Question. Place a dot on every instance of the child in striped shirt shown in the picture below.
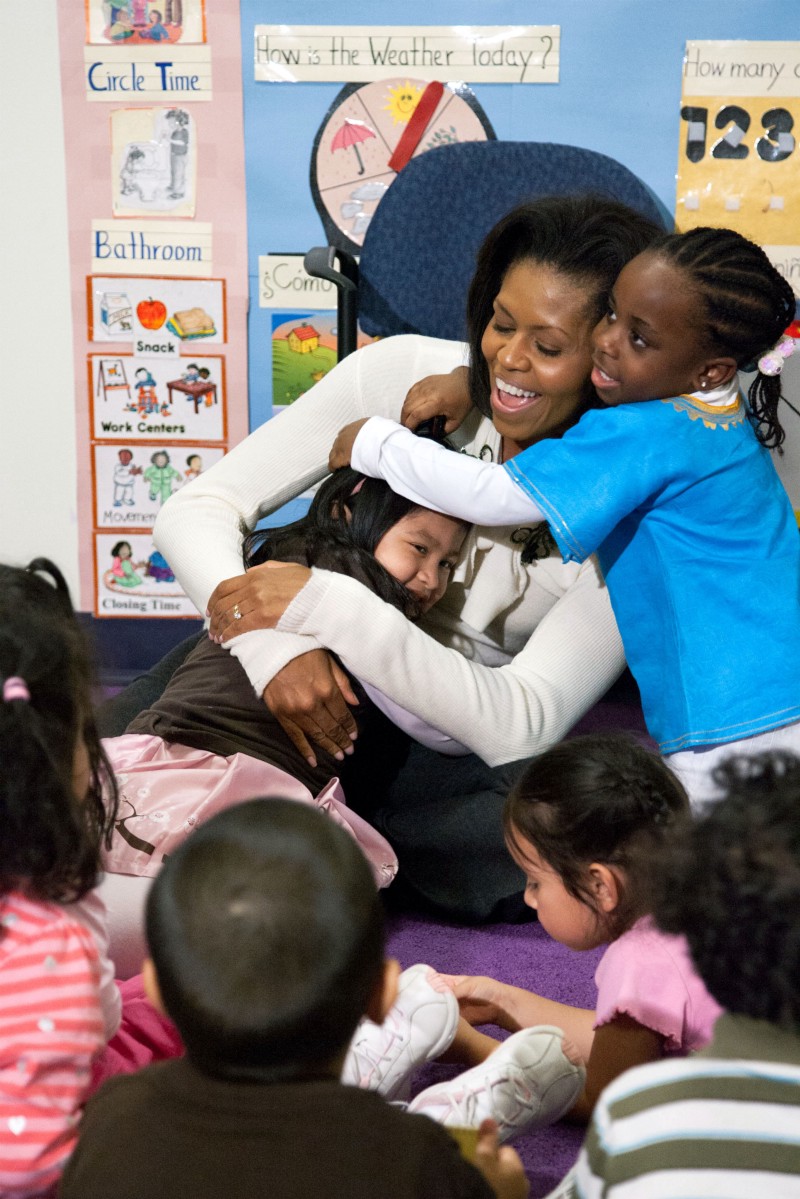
(725, 1121)
(57, 998)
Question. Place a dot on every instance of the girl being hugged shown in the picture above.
(58, 1003)
(209, 741)
(670, 482)
(586, 823)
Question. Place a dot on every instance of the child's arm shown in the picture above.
(486, 1001)
(432, 476)
(438, 395)
(617, 1047)
(608, 1051)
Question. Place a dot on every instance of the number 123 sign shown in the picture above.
(739, 159)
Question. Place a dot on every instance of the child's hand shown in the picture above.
(501, 1168)
(437, 395)
(342, 448)
(480, 999)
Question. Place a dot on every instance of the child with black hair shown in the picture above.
(58, 1002)
(670, 483)
(266, 938)
(210, 741)
(725, 1121)
(584, 822)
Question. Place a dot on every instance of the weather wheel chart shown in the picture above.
(369, 134)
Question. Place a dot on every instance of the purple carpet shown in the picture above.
(526, 956)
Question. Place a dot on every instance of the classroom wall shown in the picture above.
(619, 94)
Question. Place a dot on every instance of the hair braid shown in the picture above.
(747, 305)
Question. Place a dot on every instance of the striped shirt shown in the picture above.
(51, 1026)
(724, 1123)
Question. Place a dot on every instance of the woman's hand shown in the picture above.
(309, 696)
(255, 600)
(342, 448)
(309, 699)
(445, 395)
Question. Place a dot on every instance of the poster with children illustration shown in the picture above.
(140, 399)
(145, 22)
(153, 161)
(132, 578)
(131, 308)
(131, 481)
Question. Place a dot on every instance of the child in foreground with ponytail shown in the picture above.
(58, 1002)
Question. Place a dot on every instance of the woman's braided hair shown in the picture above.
(747, 306)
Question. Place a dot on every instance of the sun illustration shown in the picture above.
(402, 102)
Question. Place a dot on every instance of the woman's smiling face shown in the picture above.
(539, 353)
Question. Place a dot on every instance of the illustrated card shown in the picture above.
(133, 579)
(139, 399)
(131, 482)
(132, 309)
(159, 23)
(153, 161)
(303, 351)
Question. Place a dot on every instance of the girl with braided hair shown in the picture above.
(584, 821)
(670, 482)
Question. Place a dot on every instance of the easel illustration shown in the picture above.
(111, 377)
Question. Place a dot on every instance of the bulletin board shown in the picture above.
(210, 146)
(158, 262)
(738, 161)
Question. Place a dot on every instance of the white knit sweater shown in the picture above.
(520, 652)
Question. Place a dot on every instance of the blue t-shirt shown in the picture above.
(701, 554)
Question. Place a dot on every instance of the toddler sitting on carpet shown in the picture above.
(587, 822)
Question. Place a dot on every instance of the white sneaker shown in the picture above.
(420, 1026)
(526, 1081)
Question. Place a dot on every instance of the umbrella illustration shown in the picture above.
(349, 135)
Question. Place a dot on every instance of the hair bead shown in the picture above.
(15, 687)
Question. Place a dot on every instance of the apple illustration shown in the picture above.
(151, 313)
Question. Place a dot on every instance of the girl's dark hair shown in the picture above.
(597, 799)
(747, 305)
(50, 838)
(587, 238)
(348, 516)
(115, 549)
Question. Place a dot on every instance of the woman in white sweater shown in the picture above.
(522, 644)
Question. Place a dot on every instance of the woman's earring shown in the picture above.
(704, 384)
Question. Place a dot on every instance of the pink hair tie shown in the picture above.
(772, 362)
(15, 688)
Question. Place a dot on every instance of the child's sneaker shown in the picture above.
(420, 1026)
(526, 1081)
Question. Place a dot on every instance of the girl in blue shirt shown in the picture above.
(669, 481)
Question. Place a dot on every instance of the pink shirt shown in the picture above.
(648, 975)
(51, 1026)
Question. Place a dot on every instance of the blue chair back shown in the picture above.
(419, 250)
